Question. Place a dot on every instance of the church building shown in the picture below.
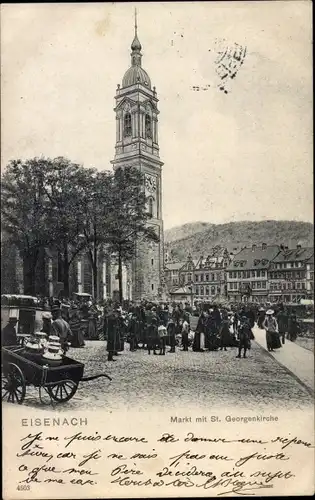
(137, 145)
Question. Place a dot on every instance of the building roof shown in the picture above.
(216, 256)
(185, 290)
(174, 266)
(136, 74)
(296, 254)
(256, 257)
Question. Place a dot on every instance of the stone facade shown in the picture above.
(137, 145)
(49, 274)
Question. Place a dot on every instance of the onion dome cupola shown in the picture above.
(136, 74)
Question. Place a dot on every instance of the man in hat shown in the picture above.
(9, 336)
(133, 329)
(152, 336)
(245, 334)
(185, 332)
(282, 320)
(46, 317)
(60, 327)
(76, 327)
(261, 317)
(112, 322)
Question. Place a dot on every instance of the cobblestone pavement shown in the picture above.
(184, 379)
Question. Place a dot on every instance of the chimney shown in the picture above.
(254, 247)
(264, 246)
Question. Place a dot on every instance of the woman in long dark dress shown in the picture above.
(225, 335)
(211, 341)
(200, 331)
(171, 329)
(272, 331)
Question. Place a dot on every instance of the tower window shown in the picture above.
(148, 126)
(152, 286)
(127, 125)
(152, 262)
(151, 207)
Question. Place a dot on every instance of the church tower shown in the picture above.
(137, 145)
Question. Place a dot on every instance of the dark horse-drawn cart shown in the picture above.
(57, 383)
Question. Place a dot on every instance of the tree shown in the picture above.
(65, 186)
(41, 201)
(98, 212)
(130, 218)
(24, 218)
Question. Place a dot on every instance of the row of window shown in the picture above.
(213, 290)
(207, 277)
(288, 275)
(287, 286)
(286, 265)
(255, 285)
(246, 274)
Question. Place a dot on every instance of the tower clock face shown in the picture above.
(150, 183)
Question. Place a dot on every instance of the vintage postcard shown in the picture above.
(157, 255)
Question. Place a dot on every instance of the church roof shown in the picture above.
(136, 74)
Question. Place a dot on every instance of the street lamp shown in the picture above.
(190, 287)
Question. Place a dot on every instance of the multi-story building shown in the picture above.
(310, 276)
(291, 275)
(171, 274)
(247, 274)
(210, 274)
(205, 276)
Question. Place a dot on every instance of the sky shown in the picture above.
(241, 155)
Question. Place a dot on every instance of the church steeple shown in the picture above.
(137, 145)
(136, 74)
(136, 46)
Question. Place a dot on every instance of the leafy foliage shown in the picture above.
(57, 203)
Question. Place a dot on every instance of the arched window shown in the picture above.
(207, 290)
(201, 290)
(127, 125)
(148, 126)
(151, 207)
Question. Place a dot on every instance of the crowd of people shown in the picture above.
(153, 327)
(157, 326)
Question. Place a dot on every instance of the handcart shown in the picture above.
(21, 369)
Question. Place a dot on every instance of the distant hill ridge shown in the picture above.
(198, 237)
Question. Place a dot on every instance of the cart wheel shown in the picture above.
(63, 391)
(45, 396)
(13, 384)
